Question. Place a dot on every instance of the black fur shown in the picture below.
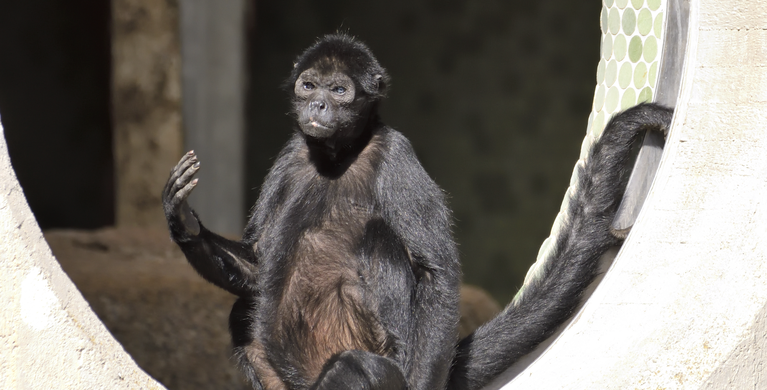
(357, 57)
(347, 272)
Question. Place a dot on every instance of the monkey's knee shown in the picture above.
(355, 370)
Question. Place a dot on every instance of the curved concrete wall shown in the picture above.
(49, 337)
(684, 304)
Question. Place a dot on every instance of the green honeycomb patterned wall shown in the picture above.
(627, 74)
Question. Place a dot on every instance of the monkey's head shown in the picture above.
(337, 84)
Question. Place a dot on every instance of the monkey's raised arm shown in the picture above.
(414, 206)
(228, 264)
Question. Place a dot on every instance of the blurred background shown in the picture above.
(99, 99)
(493, 94)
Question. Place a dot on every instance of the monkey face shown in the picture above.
(327, 104)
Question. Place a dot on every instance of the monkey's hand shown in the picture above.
(181, 219)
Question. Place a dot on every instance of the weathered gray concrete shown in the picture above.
(49, 337)
(683, 306)
(214, 82)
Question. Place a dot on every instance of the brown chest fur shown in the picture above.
(323, 306)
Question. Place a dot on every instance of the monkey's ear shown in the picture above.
(380, 83)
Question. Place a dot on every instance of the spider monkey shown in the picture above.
(347, 273)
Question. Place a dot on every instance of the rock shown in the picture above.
(167, 317)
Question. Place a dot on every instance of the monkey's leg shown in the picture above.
(360, 370)
(228, 264)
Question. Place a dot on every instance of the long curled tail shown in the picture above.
(551, 299)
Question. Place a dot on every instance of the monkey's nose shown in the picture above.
(318, 105)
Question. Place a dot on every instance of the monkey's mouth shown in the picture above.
(316, 129)
(318, 126)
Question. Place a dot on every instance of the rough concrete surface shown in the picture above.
(49, 337)
(168, 318)
(683, 306)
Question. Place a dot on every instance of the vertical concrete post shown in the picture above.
(146, 101)
(213, 52)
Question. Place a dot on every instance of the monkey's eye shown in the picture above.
(308, 85)
(339, 90)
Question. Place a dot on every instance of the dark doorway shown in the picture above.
(54, 106)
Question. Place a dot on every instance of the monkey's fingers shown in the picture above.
(186, 157)
(183, 165)
(185, 177)
(180, 196)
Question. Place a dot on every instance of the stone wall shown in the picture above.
(49, 337)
